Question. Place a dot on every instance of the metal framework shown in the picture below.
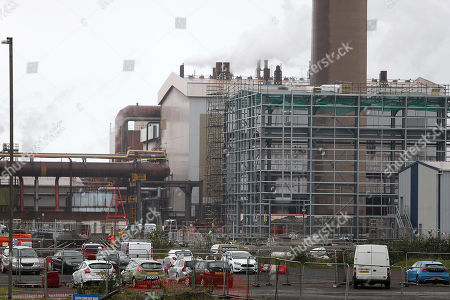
(312, 154)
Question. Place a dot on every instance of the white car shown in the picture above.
(240, 261)
(23, 258)
(181, 268)
(91, 271)
(176, 254)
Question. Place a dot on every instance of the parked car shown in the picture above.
(24, 259)
(218, 249)
(175, 254)
(114, 256)
(92, 271)
(66, 260)
(142, 270)
(213, 272)
(428, 271)
(90, 250)
(137, 249)
(182, 269)
(371, 265)
(240, 261)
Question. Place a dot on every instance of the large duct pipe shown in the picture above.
(132, 113)
(154, 171)
(339, 42)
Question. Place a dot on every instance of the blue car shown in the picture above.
(428, 271)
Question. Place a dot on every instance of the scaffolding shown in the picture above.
(317, 153)
(217, 94)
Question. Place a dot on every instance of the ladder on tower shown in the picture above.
(118, 205)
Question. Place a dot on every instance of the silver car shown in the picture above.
(24, 259)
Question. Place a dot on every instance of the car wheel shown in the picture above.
(133, 282)
(387, 285)
(355, 283)
(447, 282)
(417, 280)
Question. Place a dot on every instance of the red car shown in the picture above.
(90, 250)
(213, 272)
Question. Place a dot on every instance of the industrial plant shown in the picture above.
(258, 156)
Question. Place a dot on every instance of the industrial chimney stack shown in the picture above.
(266, 72)
(339, 42)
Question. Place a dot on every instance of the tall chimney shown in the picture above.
(182, 70)
(277, 75)
(339, 41)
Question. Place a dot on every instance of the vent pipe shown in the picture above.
(383, 78)
(218, 70)
(266, 73)
(226, 70)
(277, 75)
(258, 69)
(182, 70)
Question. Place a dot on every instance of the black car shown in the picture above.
(67, 260)
(114, 256)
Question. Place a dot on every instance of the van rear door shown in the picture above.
(363, 261)
(380, 262)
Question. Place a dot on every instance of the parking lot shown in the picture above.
(309, 290)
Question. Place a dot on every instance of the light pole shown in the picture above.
(9, 41)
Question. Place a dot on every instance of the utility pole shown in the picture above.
(9, 41)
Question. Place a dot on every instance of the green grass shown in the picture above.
(411, 261)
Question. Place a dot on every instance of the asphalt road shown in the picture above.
(317, 284)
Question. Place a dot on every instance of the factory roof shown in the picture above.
(201, 86)
(436, 165)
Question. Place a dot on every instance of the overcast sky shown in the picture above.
(69, 54)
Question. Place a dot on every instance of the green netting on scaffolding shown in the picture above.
(338, 104)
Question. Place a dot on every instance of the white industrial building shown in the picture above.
(183, 104)
(424, 196)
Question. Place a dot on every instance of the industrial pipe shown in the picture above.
(132, 113)
(157, 155)
(153, 171)
(57, 193)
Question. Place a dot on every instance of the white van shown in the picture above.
(371, 265)
(137, 249)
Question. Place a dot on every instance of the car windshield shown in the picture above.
(100, 266)
(184, 253)
(92, 249)
(151, 266)
(26, 252)
(240, 255)
(72, 254)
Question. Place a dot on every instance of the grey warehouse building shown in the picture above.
(424, 196)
